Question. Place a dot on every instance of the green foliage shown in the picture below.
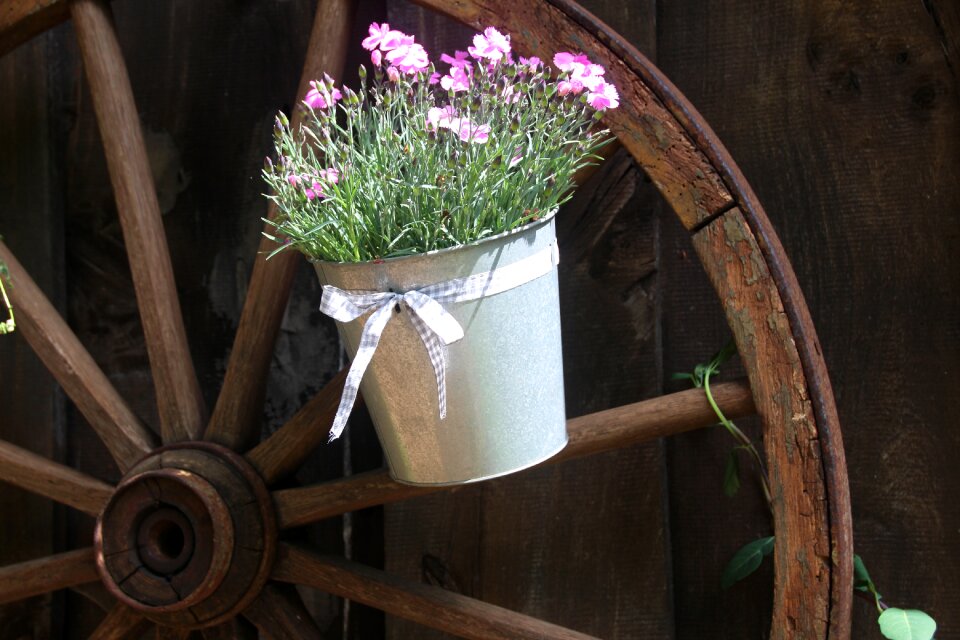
(8, 325)
(906, 624)
(746, 561)
(863, 582)
(731, 475)
(404, 186)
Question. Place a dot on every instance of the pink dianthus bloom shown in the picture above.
(376, 57)
(330, 175)
(409, 58)
(566, 61)
(393, 74)
(471, 132)
(458, 80)
(603, 96)
(441, 117)
(383, 37)
(459, 59)
(319, 97)
(531, 63)
(293, 179)
(315, 191)
(491, 44)
(569, 86)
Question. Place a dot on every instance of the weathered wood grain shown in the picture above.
(279, 613)
(60, 350)
(48, 574)
(595, 433)
(430, 606)
(235, 417)
(179, 399)
(754, 310)
(44, 477)
(121, 623)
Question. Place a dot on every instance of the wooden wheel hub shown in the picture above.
(189, 536)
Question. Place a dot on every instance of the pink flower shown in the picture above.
(434, 78)
(491, 44)
(319, 97)
(460, 59)
(604, 96)
(330, 175)
(441, 117)
(409, 58)
(315, 191)
(382, 37)
(293, 179)
(566, 61)
(531, 63)
(458, 80)
(472, 132)
(393, 74)
(569, 86)
(376, 57)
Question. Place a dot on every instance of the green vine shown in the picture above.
(10, 324)
(895, 624)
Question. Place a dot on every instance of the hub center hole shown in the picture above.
(167, 537)
(165, 541)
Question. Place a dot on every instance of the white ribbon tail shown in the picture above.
(369, 340)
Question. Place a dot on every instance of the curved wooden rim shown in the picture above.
(744, 259)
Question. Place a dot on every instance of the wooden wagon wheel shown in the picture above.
(192, 535)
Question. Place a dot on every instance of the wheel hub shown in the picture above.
(189, 536)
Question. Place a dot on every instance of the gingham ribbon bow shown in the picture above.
(436, 327)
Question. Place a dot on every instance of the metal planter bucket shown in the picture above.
(504, 379)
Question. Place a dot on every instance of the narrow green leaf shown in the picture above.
(745, 561)
(906, 624)
(731, 475)
(861, 577)
(723, 355)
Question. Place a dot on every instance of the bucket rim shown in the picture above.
(446, 250)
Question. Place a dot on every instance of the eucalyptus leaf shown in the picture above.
(906, 624)
(731, 475)
(745, 561)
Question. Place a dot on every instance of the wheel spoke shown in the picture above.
(594, 433)
(73, 367)
(36, 474)
(430, 606)
(280, 613)
(283, 452)
(31, 578)
(21, 21)
(235, 418)
(178, 391)
(121, 623)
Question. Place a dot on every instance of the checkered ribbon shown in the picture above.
(436, 327)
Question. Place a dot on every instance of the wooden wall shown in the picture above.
(845, 117)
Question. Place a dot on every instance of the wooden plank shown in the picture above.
(598, 432)
(235, 417)
(39, 475)
(429, 606)
(178, 391)
(21, 20)
(45, 575)
(60, 350)
(31, 405)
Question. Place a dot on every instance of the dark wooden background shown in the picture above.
(845, 117)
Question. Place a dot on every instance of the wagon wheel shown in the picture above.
(192, 535)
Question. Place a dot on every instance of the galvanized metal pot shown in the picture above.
(504, 380)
